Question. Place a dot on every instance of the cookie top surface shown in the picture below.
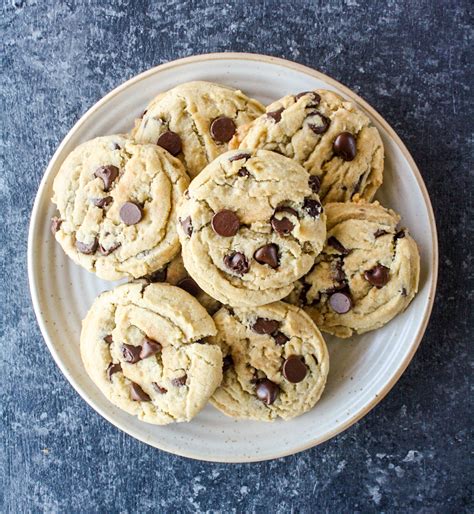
(328, 135)
(249, 226)
(144, 346)
(117, 206)
(275, 362)
(367, 273)
(195, 121)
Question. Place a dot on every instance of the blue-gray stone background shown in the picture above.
(413, 61)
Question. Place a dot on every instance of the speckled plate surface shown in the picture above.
(363, 369)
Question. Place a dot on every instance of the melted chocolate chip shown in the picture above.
(399, 235)
(314, 183)
(130, 353)
(404, 292)
(228, 362)
(283, 226)
(378, 276)
(345, 146)
(138, 394)
(294, 369)
(267, 391)
(179, 381)
(130, 213)
(108, 174)
(312, 207)
(276, 115)
(340, 302)
(159, 389)
(225, 223)
(222, 129)
(300, 95)
(280, 338)
(380, 233)
(267, 254)
(187, 225)
(189, 285)
(265, 326)
(108, 339)
(318, 123)
(107, 251)
(238, 156)
(87, 249)
(149, 348)
(113, 368)
(338, 246)
(171, 142)
(237, 262)
(55, 224)
(243, 172)
(102, 202)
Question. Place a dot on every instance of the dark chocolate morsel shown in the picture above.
(102, 202)
(179, 381)
(265, 326)
(378, 276)
(130, 353)
(113, 368)
(267, 391)
(338, 246)
(280, 338)
(238, 156)
(345, 146)
(225, 223)
(318, 123)
(130, 213)
(314, 183)
(379, 233)
(312, 207)
(237, 262)
(108, 339)
(138, 394)
(276, 115)
(87, 249)
(267, 254)
(222, 129)
(108, 174)
(171, 142)
(340, 302)
(294, 369)
(159, 389)
(149, 348)
(187, 225)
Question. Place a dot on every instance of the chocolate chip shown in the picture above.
(88, 249)
(108, 339)
(338, 273)
(113, 368)
(180, 381)
(267, 254)
(237, 262)
(138, 394)
(55, 224)
(345, 146)
(294, 369)
(315, 98)
(189, 285)
(102, 202)
(130, 213)
(159, 389)
(238, 156)
(157, 276)
(276, 115)
(318, 123)
(314, 183)
(108, 251)
(108, 174)
(312, 207)
(228, 362)
(399, 235)
(280, 338)
(222, 129)
(378, 276)
(283, 226)
(338, 246)
(380, 233)
(149, 348)
(225, 223)
(116, 146)
(130, 353)
(243, 172)
(356, 188)
(340, 302)
(404, 292)
(267, 391)
(187, 225)
(265, 326)
(171, 142)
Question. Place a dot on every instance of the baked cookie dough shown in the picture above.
(367, 273)
(249, 226)
(195, 121)
(117, 206)
(175, 273)
(145, 348)
(328, 135)
(275, 362)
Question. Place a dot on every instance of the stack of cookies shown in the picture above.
(243, 232)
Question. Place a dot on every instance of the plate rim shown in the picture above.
(294, 67)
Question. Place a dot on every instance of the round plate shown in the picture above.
(363, 369)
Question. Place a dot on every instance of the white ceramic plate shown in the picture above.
(363, 369)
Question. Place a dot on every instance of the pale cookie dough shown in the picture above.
(367, 273)
(175, 273)
(145, 348)
(249, 226)
(117, 206)
(328, 135)
(275, 362)
(195, 121)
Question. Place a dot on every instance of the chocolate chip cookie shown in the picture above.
(329, 136)
(275, 362)
(117, 206)
(367, 273)
(144, 346)
(250, 224)
(195, 121)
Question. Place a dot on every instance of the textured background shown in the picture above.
(413, 62)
